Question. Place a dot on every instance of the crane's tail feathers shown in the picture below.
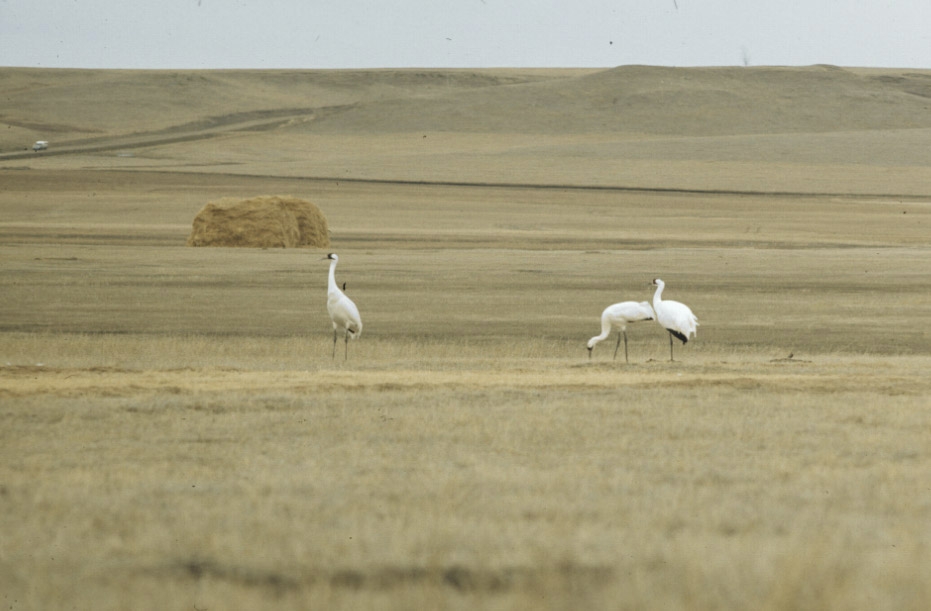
(679, 336)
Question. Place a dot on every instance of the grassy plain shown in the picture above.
(175, 434)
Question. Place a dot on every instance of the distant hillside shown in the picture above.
(664, 101)
(84, 104)
(61, 105)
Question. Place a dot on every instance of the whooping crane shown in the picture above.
(616, 317)
(40, 145)
(343, 312)
(675, 317)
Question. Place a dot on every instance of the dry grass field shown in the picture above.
(175, 434)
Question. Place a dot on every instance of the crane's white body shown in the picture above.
(343, 312)
(677, 318)
(618, 316)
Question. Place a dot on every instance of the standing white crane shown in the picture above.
(343, 312)
(616, 317)
(675, 317)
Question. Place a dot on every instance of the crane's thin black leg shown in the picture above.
(670, 348)
(626, 360)
(334, 343)
(346, 358)
(618, 345)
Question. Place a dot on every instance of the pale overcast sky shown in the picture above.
(462, 33)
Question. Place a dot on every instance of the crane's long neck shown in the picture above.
(657, 296)
(605, 329)
(331, 283)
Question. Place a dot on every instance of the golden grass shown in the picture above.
(175, 434)
(551, 484)
(243, 468)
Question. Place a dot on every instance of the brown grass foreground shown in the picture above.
(532, 484)
(175, 434)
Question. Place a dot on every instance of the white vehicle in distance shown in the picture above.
(40, 145)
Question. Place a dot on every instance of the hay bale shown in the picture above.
(268, 221)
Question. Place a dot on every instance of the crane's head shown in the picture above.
(332, 256)
(658, 282)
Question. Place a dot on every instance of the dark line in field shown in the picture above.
(620, 188)
(544, 186)
(457, 577)
(213, 127)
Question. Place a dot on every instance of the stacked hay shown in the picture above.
(268, 221)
